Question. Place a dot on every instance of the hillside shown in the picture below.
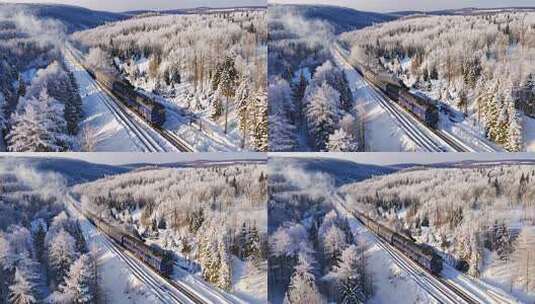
(74, 18)
(343, 19)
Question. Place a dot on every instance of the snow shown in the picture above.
(390, 281)
(116, 282)
(204, 134)
(381, 131)
(529, 134)
(249, 285)
(110, 134)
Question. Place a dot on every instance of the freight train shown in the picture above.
(423, 255)
(150, 110)
(424, 109)
(157, 258)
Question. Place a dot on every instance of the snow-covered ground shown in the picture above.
(382, 133)
(109, 133)
(529, 133)
(117, 283)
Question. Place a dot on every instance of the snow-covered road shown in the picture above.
(451, 287)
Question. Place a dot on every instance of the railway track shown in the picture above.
(413, 132)
(124, 115)
(438, 287)
(146, 275)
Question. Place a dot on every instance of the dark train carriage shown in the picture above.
(424, 109)
(146, 107)
(157, 258)
(423, 255)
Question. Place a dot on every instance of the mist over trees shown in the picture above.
(314, 257)
(481, 65)
(40, 107)
(308, 95)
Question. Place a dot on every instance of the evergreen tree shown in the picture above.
(61, 254)
(261, 133)
(22, 291)
(227, 84)
(303, 287)
(80, 284)
(340, 141)
(514, 136)
(322, 114)
(40, 127)
(282, 137)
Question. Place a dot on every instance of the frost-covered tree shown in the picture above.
(22, 291)
(61, 254)
(80, 282)
(227, 84)
(340, 141)
(303, 287)
(350, 276)
(39, 126)
(322, 114)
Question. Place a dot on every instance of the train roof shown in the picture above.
(421, 100)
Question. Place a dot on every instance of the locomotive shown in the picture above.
(150, 110)
(423, 255)
(157, 258)
(424, 109)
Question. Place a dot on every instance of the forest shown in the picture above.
(480, 218)
(314, 257)
(211, 216)
(43, 255)
(212, 65)
(311, 106)
(480, 65)
(40, 107)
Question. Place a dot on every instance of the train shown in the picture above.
(149, 109)
(421, 107)
(424, 255)
(157, 258)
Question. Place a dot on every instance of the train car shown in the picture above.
(423, 255)
(423, 108)
(159, 259)
(150, 110)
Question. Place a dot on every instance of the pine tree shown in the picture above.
(22, 291)
(322, 114)
(303, 287)
(282, 137)
(227, 84)
(39, 243)
(261, 130)
(298, 92)
(80, 283)
(514, 136)
(40, 127)
(61, 254)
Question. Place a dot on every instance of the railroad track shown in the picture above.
(124, 115)
(145, 274)
(413, 132)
